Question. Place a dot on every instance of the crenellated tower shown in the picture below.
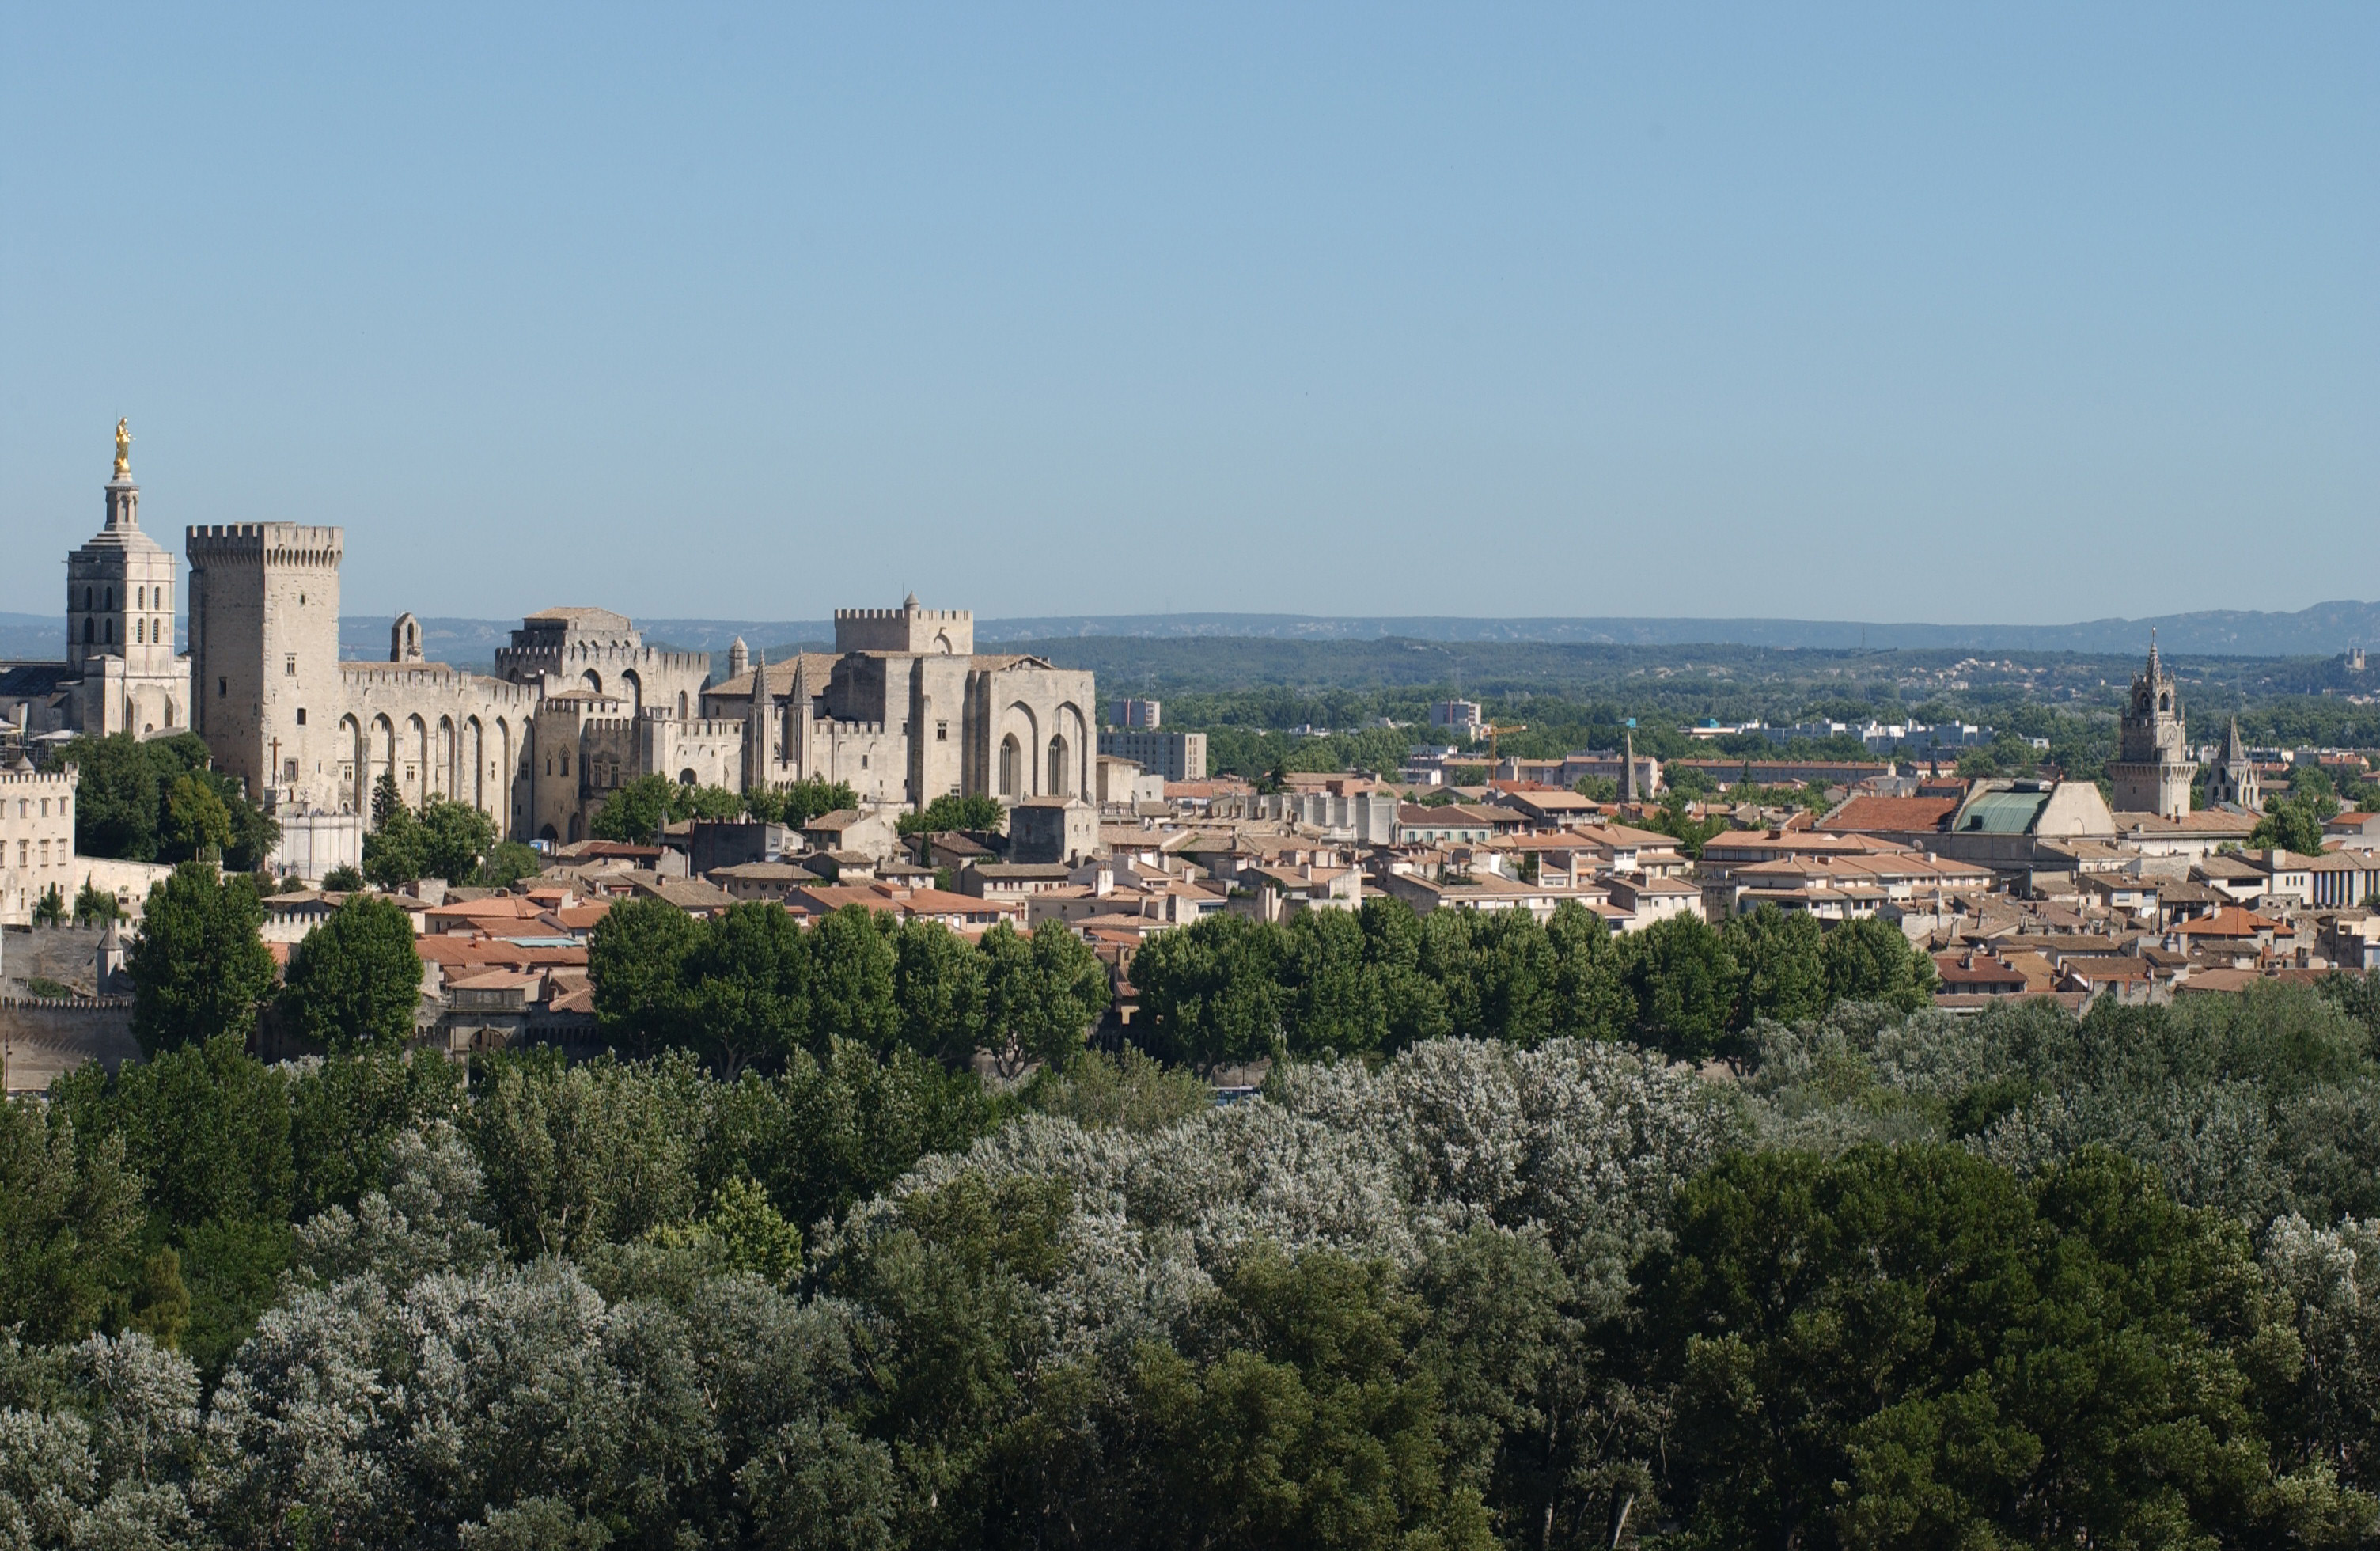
(264, 657)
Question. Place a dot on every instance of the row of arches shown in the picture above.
(470, 762)
(631, 688)
(1028, 764)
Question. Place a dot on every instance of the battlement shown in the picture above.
(438, 675)
(937, 614)
(265, 543)
(78, 1002)
(402, 673)
(910, 629)
(551, 654)
(68, 778)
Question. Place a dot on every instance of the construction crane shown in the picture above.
(1494, 733)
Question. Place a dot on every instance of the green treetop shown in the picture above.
(200, 967)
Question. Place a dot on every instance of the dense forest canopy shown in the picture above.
(1904, 1280)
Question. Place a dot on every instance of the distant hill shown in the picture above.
(2323, 630)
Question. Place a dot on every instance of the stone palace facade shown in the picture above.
(903, 708)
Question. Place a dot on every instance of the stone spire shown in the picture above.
(1628, 769)
(2231, 781)
(738, 657)
(761, 726)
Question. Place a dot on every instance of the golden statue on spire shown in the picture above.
(122, 452)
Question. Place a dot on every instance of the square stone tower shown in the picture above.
(2153, 769)
(264, 657)
(927, 632)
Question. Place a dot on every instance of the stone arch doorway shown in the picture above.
(475, 749)
(383, 760)
(685, 778)
(353, 796)
(415, 783)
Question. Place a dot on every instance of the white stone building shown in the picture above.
(36, 839)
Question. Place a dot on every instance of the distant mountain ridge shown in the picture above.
(2323, 630)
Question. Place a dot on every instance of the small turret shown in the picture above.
(739, 658)
(108, 969)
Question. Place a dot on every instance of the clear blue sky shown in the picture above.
(2011, 313)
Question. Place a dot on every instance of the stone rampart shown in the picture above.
(43, 1038)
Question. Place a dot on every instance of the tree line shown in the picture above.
(752, 984)
(636, 812)
(2021, 1279)
(1231, 988)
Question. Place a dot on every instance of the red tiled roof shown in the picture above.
(454, 952)
(2232, 920)
(1891, 815)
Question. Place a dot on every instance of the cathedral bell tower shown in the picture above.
(2153, 769)
(120, 616)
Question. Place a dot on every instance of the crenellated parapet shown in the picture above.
(959, 615)
(909, 628)
(264, 544)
